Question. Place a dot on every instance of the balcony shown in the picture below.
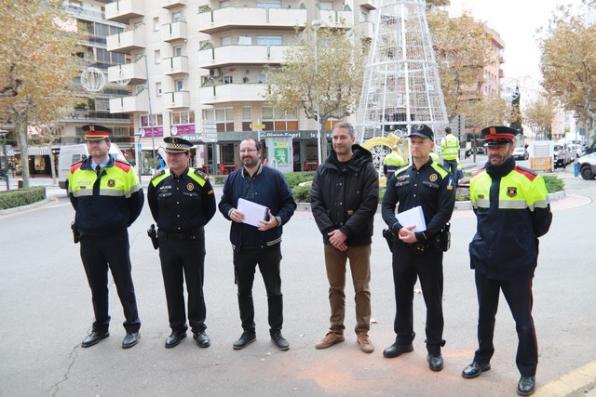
(241, 55)
(368, 4)
(233, 93)
(131, 73)
(367, 29)
(130, 104)
(241, 17)
(172, 3)
(174, 31)
(176, 99)
(175, 65)
(124, 10)
(336, 19)
(127, 41)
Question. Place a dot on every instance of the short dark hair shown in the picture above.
(258, 145)
(346, 125)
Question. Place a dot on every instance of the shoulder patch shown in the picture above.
(76, 166)
(122, 165)
(160, 173)
(201, 174)
(531, 175)
(440, 169)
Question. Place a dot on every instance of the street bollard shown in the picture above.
(576, 168)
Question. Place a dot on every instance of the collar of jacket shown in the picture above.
(245, 173)
(87, 163)
(360, 156)
(497, 171)
(424, 166)
(181, 175)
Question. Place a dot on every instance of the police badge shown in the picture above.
(190, 187)
(433, 177)
(511, 191)
(111, 183)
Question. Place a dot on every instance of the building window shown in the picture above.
(244, 40)
(178, 51)
(158, 88)
(276, 120)
(178, 85)
(268, 3)
(187, 117)
(224, 118)
(156, 24)
(227, 40)
(157, 57)
(269, 40)
(325, 5)
(156, 120)
(228, 79)
(177, 17)
(246, 118)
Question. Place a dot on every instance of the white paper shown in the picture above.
(253, 212)
(413, 216)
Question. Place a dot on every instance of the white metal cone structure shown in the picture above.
(401, 88)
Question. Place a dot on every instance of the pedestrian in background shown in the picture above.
(450, 151)
(182, 202)
(511, 204)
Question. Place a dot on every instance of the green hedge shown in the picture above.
(17, 198)
(301, 194)
(553, 183)
(295, 178)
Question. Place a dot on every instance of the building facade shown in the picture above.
(197, 69)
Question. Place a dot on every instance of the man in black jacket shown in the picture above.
(344, 198)
(417, 253)
(257, 244)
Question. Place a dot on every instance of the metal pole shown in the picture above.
(315, 25)
(150, 115)
(5, 161)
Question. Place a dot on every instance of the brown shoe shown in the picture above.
(332, 338)
(365, 344)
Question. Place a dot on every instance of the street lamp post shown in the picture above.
(316, 24)
(150, 116)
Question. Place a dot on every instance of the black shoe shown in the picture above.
(526, 385)
(435, 363)
(202, 339)
(475, 369)
(174, 339)
(279, 341)
(395, 350)
(245, 339)
(93, 338)
(131, 339)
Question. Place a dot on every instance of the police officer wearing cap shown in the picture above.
(419, 254)
(107, 198)
(511, 204)
(182, 202)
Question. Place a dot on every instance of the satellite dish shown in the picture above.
(93, 79)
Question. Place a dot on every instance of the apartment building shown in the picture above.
(93, 107)
(197, 70)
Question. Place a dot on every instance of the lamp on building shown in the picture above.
(316, 24)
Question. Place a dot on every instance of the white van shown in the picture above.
(72, 153)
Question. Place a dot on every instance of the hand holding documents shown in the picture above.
(253, 212)
(413, 216)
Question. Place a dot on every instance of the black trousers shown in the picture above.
(184, 258)
(98, 253)
(518, 293)
(428, 267)
(245, 263)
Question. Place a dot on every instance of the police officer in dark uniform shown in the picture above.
(511, 204)
(419, 254)
(107, 198)
(182, 202)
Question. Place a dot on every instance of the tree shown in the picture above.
(486, 111)
(539, 115)
(323, 78)
(462, 51)
(568, 63)
(36, 67)
(515, 117)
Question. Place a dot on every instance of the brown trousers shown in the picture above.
(335, 263)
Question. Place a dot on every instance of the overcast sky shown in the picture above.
(517, 22)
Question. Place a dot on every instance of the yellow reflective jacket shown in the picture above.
(450, 147)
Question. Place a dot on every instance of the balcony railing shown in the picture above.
(244, 17)
(176, 99)
(127, 41)
(124, 10)
(241, 54)
(172, 3)
(233, 93)
(130, 104)
(132, 73)
(174, 31)
(175, 65)
(336, 19)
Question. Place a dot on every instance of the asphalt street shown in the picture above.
(46, 310)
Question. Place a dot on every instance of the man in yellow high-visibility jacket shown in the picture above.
(392, 162)
(511, 204)
(450, 151)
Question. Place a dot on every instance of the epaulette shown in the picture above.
(160, 173)
(531, 175)
(76, 166)
(402, 170)
(478, 172)
(201, 174)
(124, 166)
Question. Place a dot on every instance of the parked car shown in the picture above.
(70, 154)
(562, 156)
(587, 166)
(520, 153)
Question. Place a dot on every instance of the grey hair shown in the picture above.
(346, 125)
